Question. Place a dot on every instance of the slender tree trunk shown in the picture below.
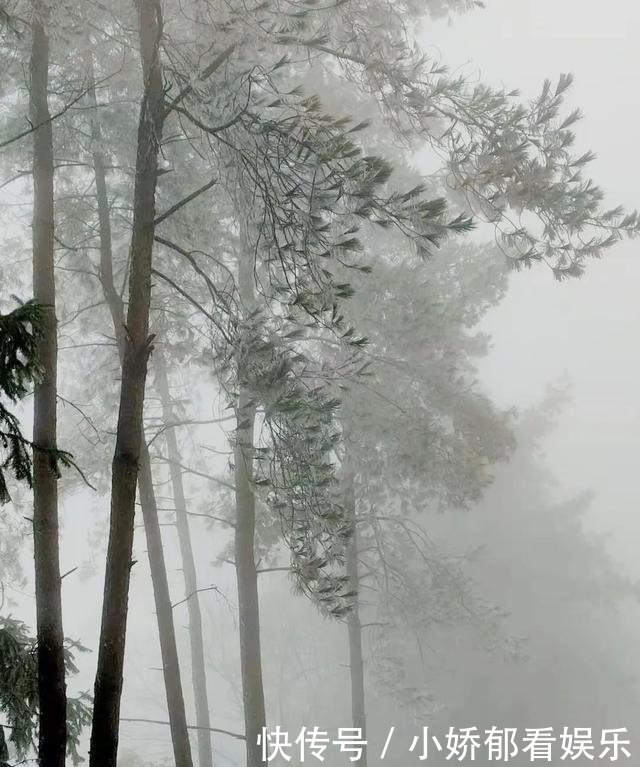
(164, 611)
(108, 683)
(162, 597)
(51, 675)
(356, 663)
(111, 295)
(198, 667)
(247, 579)
(246, 575)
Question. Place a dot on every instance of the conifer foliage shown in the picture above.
(19, 692)
(19, 330)
(19, 369)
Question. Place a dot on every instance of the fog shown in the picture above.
(516, 607)
(545, 332)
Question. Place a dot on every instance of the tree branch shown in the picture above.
(217, 62)
(194, 592)
(185, 201)
(32, 128)
(188, 469)
(236, 735)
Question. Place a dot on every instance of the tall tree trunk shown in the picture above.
(356, 663)
(247, 579)
(198, 667)
(162, 597)
(51, 677)
(246, 575)
(164, 611)
(108, 683)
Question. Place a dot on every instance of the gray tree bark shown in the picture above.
(51, 673)
(247, 580)
(244, 544)
(108, 682)
(164, 612)
(198, 666)
(354, 627)
(162, 597)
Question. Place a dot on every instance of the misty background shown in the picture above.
(582, 331)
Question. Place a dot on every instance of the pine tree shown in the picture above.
(19, 695)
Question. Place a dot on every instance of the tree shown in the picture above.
(20, 695)
(51, 671)
(198, 667)
(164, 610)
(108, 685)
(262, 370)
(245, 523)
(268, 374)
(418, 434)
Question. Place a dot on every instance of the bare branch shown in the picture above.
(185, 201)
(231, 734)
(188, 469)
(197, 591)
(32, 128)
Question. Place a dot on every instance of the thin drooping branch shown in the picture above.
(183, 293)
(212, 130)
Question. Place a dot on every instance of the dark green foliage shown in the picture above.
(18, 369)
(19, 333)
(16, 453)
(19, 691)
(18, 682)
